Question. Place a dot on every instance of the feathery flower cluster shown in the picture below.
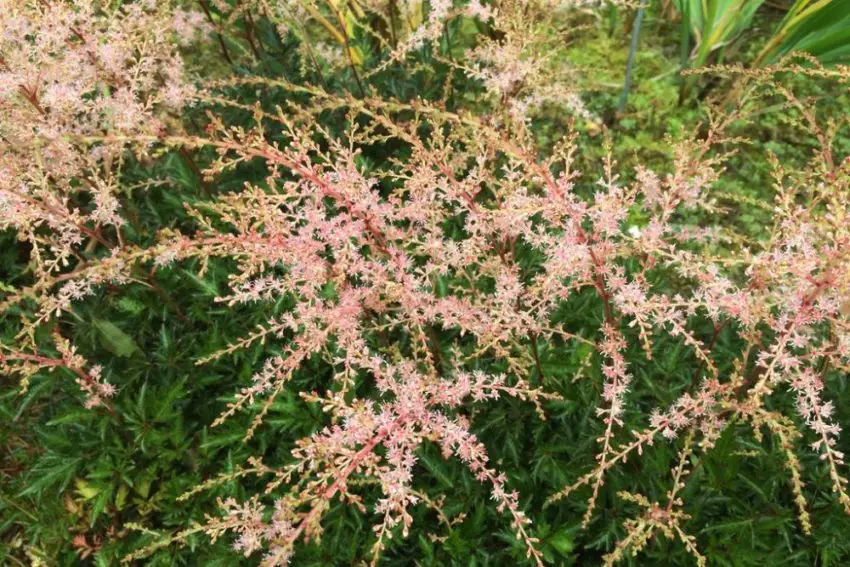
(90, 382)
(69, 70)
(393, 268)
(516, 67)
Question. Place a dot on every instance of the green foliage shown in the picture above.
(818, 27)
(716, 23)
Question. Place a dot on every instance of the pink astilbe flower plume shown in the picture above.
(70, 70)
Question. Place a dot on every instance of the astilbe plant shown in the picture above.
(70, 70)
(73, 69)
(470, 232)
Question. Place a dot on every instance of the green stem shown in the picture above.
(631, 60)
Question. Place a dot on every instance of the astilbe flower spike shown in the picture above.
(72, 69)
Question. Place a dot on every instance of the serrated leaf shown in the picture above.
(209, 288)
(121, 497)
(562, 541)
(436, 468)
(85, 490)
(131, 305)
(114, 339)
